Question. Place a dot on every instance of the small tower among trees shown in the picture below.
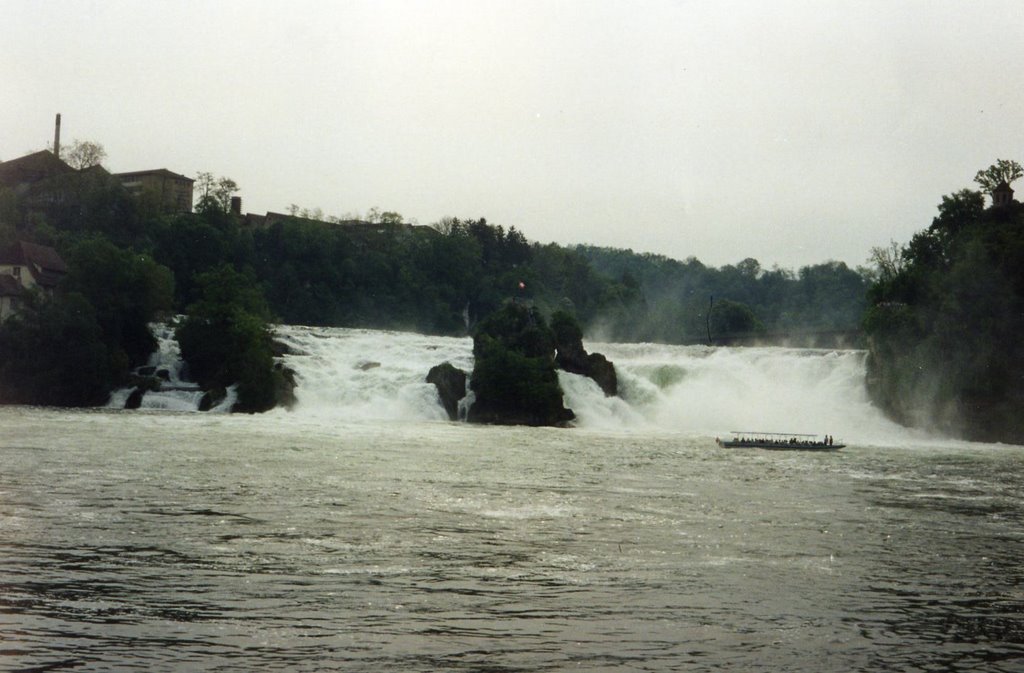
(997, 178)
(1002, 195)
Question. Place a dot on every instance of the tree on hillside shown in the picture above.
(960, 210)
(1003, 170)
(214, 193)
(944, 328)
(85, 154)
(886, 262)
(732, 319)
(126, 290)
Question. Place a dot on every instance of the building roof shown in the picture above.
(32, 168)
(156, 172)
(47, 265)
(9, 286)
(95, 169)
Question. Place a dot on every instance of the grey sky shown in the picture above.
(792, 132)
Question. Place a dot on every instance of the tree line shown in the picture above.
(131, 262)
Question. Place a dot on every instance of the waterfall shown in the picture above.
(176, 393)
(367, 374)
(707, 390)
(358, 374)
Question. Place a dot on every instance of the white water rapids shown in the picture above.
(365, 374)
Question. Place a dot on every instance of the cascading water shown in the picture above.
(369, 374)
(176, 393)
(275, 541)
(366, 374)
(702, 390)
(357, 374)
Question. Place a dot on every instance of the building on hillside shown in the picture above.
(33, 265)
(21, 173)
(270, 219)
(48, 189)
(25, 266)
(172, 191)
(10, 296)
(1002, 195)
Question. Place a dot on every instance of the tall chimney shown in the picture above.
(56, 137)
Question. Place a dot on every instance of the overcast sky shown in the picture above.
(794, 132)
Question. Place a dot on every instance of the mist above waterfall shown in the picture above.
(716, 390)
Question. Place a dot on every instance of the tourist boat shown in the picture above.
(779, 441)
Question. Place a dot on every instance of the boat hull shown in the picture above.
(780, 446)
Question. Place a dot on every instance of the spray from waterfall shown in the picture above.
(689, 389)
(370, 375)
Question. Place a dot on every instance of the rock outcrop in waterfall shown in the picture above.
(514, 375)
(572, 357)
(451, 386)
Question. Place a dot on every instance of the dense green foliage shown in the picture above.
(443, 279)
(945, 323)
(53, 353)
(514, 375)
(433, 280)
(72, 349)
(226, 340)
(190, 245)
(126, 290)
(731, 317)
(564, 328)
(672, 299)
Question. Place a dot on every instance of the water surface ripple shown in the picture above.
(167, 542)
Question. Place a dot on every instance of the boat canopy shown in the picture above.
(758, 433)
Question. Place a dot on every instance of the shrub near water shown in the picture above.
(72, 348)
(126, 290)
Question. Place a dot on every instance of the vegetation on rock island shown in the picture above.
(514, 377)
(516, 354)
(225, 340)
(946, 317)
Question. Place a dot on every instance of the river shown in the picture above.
(361, 532)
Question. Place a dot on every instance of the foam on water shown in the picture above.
(715, 390)
(358, 374)
(366, 374)
(293, 541)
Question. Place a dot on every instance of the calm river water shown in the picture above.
(178, 542)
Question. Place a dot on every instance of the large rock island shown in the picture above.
(514, 378)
